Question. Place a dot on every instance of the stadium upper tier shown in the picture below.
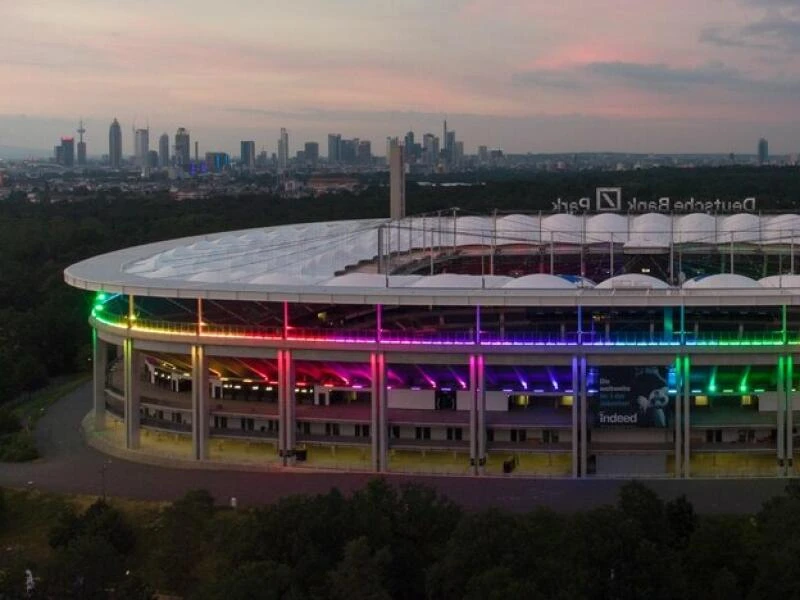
(426, 260)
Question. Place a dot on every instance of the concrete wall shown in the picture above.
(632, 436)
(412, 399)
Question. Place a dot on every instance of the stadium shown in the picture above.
(548, 345)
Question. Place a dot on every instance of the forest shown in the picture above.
(387, 542)
(43, 322)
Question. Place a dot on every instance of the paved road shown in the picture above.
(69, 465)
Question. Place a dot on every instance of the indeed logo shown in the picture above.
(618, 419)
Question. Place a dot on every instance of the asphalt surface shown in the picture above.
(70, 466)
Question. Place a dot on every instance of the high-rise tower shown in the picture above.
(142, 146)
(283, 150)
(115, 145)
(182, 148)
(163, 151)
(81, 145)
(763, 151)
(247, 154)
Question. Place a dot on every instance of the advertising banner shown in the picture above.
(631, 396)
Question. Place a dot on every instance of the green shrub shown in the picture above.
(18, 447)
(9, 422)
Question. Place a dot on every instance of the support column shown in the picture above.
(383, 416)
(481, 397)
(677, 431)
(286, 406)
(687, 406)
(200, 403)
(789, 415)
(584, 418)
(377, 431)
(575, 429)
(131, 363)
(781, 424)
(100, 367)
(473, 414)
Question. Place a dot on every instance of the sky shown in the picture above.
(520, 75)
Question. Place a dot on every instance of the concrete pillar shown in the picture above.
(200, 403)
(781, 424)
(584, 425)
(575, 428)
(286, 410)
(687, 406)
(481, 397)
(473, 414)
(789, 415)
(100, 367)
(131, 362)
(678, 418)
(378, 420)
(281, 409)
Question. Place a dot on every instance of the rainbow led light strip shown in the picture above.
(390, 337)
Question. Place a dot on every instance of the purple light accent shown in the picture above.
(553, 379)
(538, 391)
(357, 386)
(416, 388)
(447, 389)
(507, 390)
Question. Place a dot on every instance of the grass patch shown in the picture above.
(30, 407)
(19, 417)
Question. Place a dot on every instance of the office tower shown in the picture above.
(334, 147)
(348, 151)
(81, 145)
(217, 161)
(430, 149)
(152, 159)
(68, 151)
(483, 154)
(182, 148)
(247, 154)
(408, 148)
(763, 151)
(397, 181)
(450, 146)
(196, 151)
(311, 153)
(283, 150)
(444, 134)
(58, 154)
(458, 153)
(364, 152)
(141, 146)
(163, 151)
(115, 145)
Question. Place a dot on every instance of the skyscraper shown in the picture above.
(68, 151)
(81, 145)
(115, 145)
(247, 154)
(312, 152)
(430, 149)
(141, 146)
(183, 155)
(364, 152)
(334, 147)
(763, 151)
(163, 151)
(283, 150)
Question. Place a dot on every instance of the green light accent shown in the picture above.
(98, 307)
(743, 387)
(101, 297)
(712, 381)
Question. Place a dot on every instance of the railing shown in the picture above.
(464, 337)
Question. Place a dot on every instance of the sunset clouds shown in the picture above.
(524, 75)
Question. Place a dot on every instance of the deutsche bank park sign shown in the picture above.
(610, 199)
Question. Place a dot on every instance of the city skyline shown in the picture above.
(645, 77)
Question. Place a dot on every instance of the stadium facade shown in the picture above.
(558, 345)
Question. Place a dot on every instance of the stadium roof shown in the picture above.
(307, 262)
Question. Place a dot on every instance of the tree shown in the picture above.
(360, 574)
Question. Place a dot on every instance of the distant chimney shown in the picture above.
(397, 181)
